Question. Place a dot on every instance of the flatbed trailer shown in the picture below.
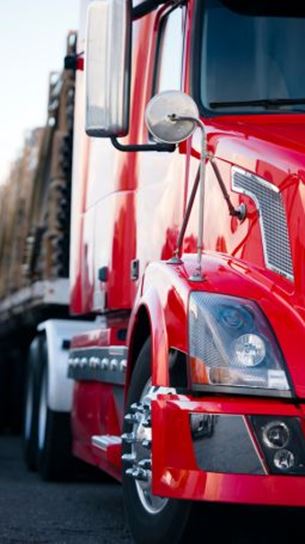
(34, 239)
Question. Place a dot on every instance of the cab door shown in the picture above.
(161, 176)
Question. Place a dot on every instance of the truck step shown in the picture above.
(105, 441)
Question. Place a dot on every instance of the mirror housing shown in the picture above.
(107, 67)
(171, 117)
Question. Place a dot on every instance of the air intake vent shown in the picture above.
(272, 216)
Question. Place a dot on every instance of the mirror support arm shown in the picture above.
(169, 148)
(199, 276)
(200, 180)
(176, 259)
(239, 212)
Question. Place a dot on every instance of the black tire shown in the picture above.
(173, 524)
(16, 390)
(4, 392)
(54, 455)
(30, 423)
(12, 381)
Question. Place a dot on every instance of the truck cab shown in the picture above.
(186, 243)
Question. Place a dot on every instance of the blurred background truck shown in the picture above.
(34, 239)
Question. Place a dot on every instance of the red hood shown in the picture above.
(277, 140)
(271, 147)
(282, 130)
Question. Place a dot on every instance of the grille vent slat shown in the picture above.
(273, 221)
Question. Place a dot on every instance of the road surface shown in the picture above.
(35, 512)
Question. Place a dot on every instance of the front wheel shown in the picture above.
(152, 519)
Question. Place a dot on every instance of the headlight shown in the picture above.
(231, 344)
(249, 350)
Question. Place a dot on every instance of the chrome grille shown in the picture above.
(272, 216)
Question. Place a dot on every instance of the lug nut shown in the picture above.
(141, 474)
(132, 418)
(145, 464)
(137, 407)
(146, 422)
(129, 472)
(129, 438)
(128, 458)
(138, 474)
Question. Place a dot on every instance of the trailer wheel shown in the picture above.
(55, 461)
(30, 423)
(153, 520)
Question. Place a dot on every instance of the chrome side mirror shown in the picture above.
(107, 68)
(171, 117)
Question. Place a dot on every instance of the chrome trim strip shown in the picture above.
(255, 446)
(102, 364)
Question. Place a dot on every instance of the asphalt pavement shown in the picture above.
(91, 512)
(36, 512)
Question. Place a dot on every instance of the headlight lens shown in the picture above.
(249, 350)
(231, 344)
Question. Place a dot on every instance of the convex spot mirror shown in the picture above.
(171, 117)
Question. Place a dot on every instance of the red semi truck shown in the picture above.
(187, 252)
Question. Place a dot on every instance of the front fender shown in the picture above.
(165, 293)
(164, 298)
(150, 302)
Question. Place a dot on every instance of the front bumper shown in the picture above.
(225, 464)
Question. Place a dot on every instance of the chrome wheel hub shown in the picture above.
(139, 460)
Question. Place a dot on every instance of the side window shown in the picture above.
(168, 72)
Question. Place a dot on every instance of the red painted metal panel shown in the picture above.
(112, 335)
(176, 475)
(96, 411)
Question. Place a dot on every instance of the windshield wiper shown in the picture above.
(267, 103)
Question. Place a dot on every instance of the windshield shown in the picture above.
(252, 56)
